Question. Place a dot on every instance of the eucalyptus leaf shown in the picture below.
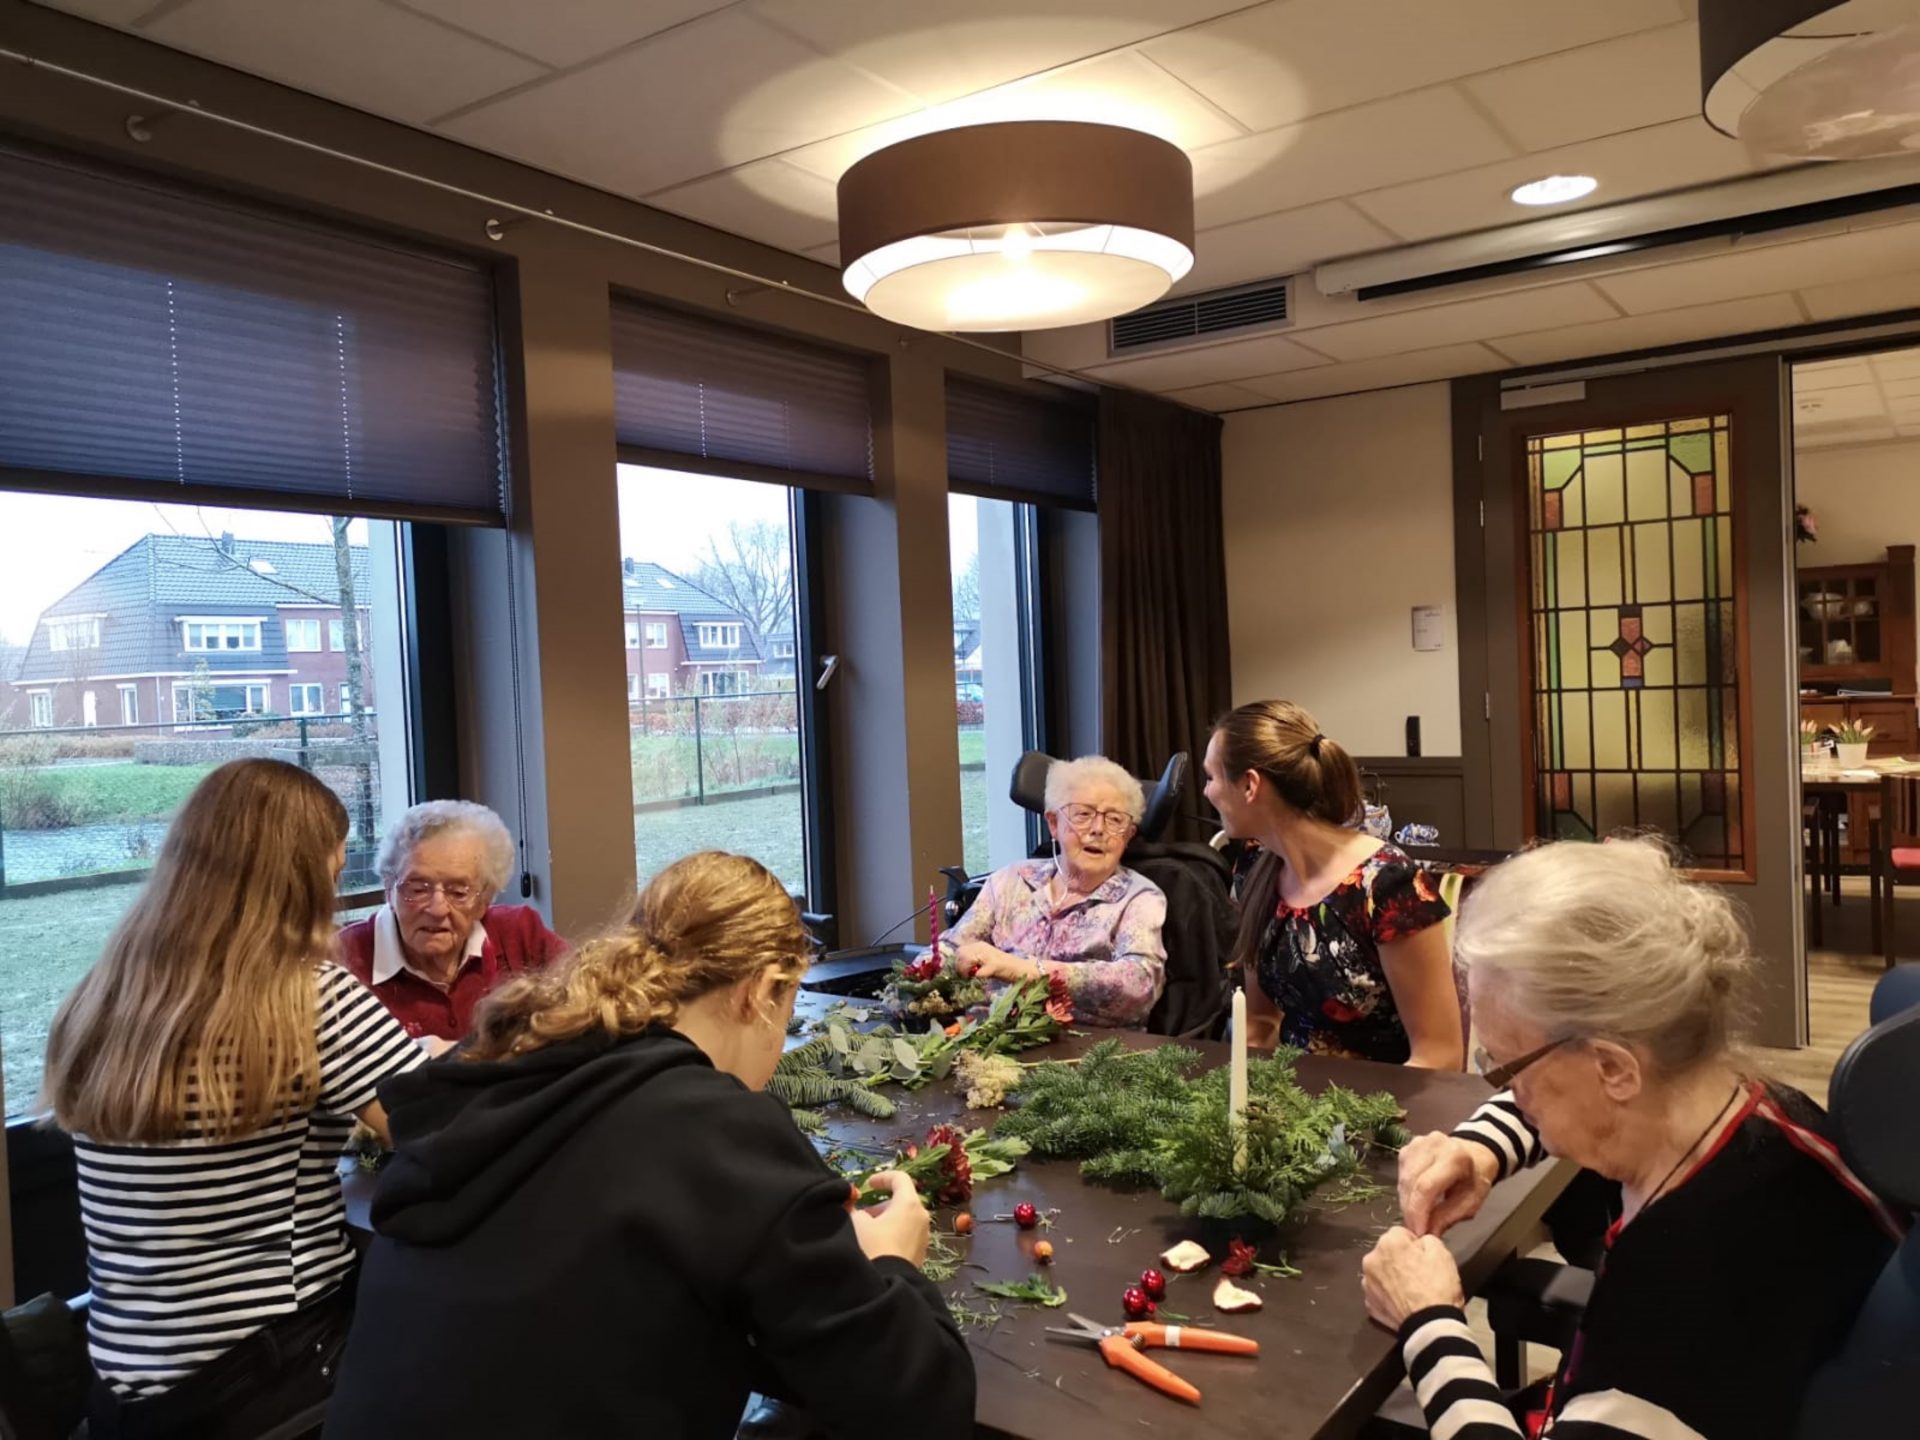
(906, 1056)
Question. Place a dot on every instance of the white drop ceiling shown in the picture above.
(1866, 400)
(1318, 129)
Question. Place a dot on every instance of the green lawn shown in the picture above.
(123, 791)
(46, 944)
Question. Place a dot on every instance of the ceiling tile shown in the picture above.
(1847, 405)
(1114, 89)
(1839, 299)
(1602, 89)
(825, 254)
(1831, 374)
(107, 12)
(1282, 244)
(769, 201)
(1765, 265)
(359, 52)
(1279, 64)
(942, 53)
(1218, 397)
(1645, 332)
(1898, 365)
(1184, 369)
(1439, 364)
(1808, 437)
(711, 94)
(563, 32)
(1407, 138)
(1644, 162)
(1552, 307)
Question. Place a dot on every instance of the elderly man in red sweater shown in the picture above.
(440, 943)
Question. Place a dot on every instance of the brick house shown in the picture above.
(683, 641)
(178, 629)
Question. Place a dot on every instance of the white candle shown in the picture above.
(1237, 1080)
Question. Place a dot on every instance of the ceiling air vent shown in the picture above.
(1194, 317)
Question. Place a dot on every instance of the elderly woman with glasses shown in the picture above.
(1081, 916)
(1606, 994)
(439, 944)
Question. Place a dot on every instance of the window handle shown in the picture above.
(828, 665)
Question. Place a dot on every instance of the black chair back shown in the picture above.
(1872, 1387)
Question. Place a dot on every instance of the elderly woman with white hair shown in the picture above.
(1081, 916)
(1606, 994)
(440, 943)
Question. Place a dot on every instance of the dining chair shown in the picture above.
(1896, 853)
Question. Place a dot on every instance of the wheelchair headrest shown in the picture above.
(1898, 990)
(1028, 790)
(1871, 1102)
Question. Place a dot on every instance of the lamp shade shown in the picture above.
(1022, 225)
(1812, 79)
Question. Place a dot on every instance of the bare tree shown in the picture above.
(350, 626)
(749, 568)
(966, 591)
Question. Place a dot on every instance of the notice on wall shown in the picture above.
(1429, 629)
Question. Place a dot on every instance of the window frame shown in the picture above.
(40, 702)
(633, 687)
(633, 634)
(287, 625)
(129, 713)
(62, 628)
(223, 623)
(664, 691)
(722, 630)
(654, 635)
(294, 694)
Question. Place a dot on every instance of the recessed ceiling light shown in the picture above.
(1555, 189)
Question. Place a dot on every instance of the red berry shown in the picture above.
(1136, 1303)
(1154, 1283)
(1025, 1216)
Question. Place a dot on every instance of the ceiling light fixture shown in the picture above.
(1812, 79)
(1023, 225)
(1554, 189)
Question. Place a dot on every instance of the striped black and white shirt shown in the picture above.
(1712, 1309)
(194, 1244)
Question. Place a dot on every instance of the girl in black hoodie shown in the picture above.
(593, 1224)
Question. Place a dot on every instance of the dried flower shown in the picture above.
(987, 1078)
(1059, 999)
(1240, 1258)
(956, 1170)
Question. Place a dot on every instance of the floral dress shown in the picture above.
(1321, 965)
(1106, 946)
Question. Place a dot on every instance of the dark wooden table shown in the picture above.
(1324, 1367)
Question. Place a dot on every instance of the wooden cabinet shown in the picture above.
(1856, 623)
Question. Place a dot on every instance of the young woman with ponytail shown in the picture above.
(594, 1224)
(1340, 941)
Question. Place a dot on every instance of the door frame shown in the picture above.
(1491, 417)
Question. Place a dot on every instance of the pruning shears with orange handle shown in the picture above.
(1121, 1347)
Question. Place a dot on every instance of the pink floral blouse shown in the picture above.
(1106, 946)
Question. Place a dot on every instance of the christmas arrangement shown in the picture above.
(1021, 1016)
(1146, 1118)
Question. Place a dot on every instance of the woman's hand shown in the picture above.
(978, 958)
(1444, 1180)
(1406, 1274)
(898, 1225)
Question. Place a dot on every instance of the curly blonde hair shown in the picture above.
(703, 924)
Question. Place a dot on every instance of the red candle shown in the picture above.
(933, 918)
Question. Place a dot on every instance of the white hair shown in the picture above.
(1067, 778)
(442, 817)
(1610, 941)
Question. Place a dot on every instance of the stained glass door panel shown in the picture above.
(1635, 674)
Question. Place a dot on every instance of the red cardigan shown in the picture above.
(517, 939)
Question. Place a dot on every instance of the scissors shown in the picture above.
(1120, 1347)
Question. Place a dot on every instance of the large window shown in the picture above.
(1635, 646)
(995, 670)
(87, 788)
(303, 635)
(716, 738)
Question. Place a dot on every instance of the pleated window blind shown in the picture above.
(175, 345)
(698, 394)
(1006, 445)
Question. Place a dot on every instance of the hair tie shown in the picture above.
(1314, 744)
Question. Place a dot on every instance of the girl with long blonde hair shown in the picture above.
(595, 1181)
(210, 1067)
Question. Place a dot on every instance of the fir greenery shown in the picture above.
(803, 1082)
(1144, 1117)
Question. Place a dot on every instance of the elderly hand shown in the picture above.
(1444, 1181)
(1406, 1274)
(977, 958)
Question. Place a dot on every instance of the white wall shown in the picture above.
(1863, 497)
(1339, 521)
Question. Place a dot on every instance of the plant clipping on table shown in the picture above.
(1144, 1117)
(1032, 1012)
(927, 987)
(947, 1167)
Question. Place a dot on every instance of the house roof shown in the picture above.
(142, 590)
(657, 590)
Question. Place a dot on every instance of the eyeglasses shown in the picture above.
(418, 892)
(1083, 818)
(1501, 1076)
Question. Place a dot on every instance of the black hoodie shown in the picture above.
(603, 1239)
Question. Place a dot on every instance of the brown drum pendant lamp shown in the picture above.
(1812, 79)
(1016, 226)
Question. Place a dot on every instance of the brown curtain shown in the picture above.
(1164, 675)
